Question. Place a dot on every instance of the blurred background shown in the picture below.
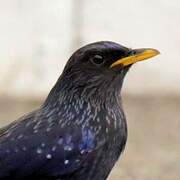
(38, 36)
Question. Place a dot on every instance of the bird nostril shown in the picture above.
(132, 53)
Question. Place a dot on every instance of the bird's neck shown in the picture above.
(103, 96)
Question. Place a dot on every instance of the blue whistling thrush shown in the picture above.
(80, 130)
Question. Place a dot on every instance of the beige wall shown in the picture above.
(38, 36)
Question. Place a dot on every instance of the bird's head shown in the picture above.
(98, 69)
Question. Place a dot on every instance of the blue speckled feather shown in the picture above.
(39, 153)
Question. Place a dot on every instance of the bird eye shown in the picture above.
(97, 60)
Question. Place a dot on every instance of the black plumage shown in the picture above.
(80, 130)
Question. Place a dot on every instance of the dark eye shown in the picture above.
(97, 60)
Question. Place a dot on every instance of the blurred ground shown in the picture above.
(153, 148)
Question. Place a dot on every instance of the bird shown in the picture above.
(80, 130)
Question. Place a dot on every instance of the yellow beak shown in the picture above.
(135, 56)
